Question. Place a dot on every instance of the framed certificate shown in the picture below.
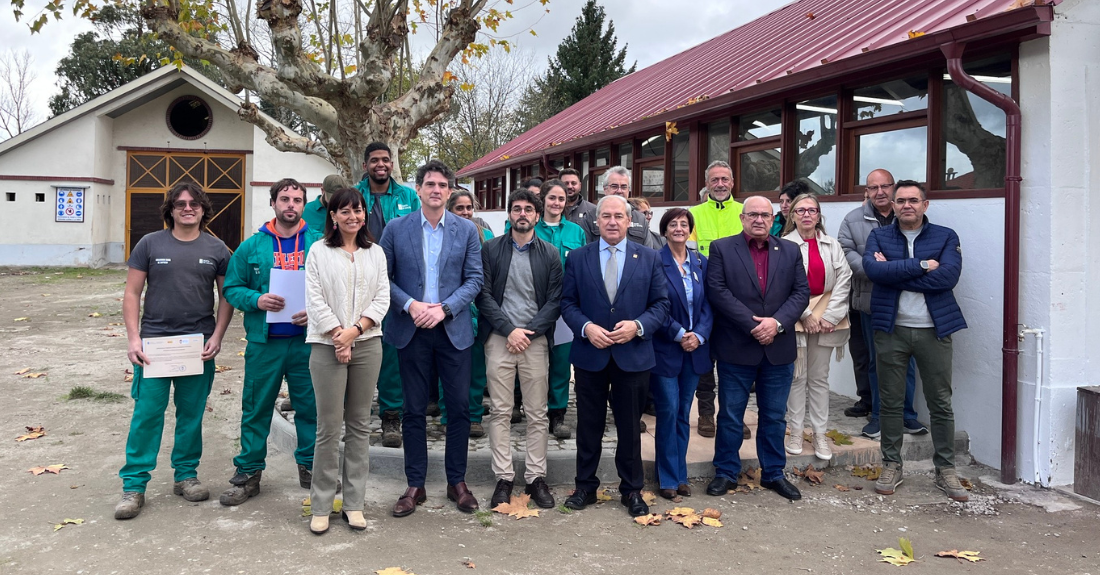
(173, 356)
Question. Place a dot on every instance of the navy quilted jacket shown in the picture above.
(903, 273)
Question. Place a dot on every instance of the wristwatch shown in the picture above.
(924, 265)
(640, 330)
(447, 311)
(778, 326)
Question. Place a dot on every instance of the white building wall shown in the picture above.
(1060, 96)
(271, 165)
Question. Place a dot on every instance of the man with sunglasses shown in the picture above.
(877, 211)
(915, 266)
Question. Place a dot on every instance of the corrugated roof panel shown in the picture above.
(786, 41)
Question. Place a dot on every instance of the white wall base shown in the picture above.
(88, 255)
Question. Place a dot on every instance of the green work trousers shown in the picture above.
(558, 396)
(265, 366)
(389, 381)
(933, 356)
(147, 425)
(477, 386)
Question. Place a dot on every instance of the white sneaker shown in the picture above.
(821, 447)
(794, 442)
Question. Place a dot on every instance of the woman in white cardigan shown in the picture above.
(347, 295)
(824, 323)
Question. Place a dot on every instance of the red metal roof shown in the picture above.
(798, 37)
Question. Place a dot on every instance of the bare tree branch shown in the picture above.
(278, 138)
(17, 113)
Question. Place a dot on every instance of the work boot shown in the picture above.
(476, 430)
(191, 489)
(244, 487)
(391, 429)
(433, 409)
(557, 424)
(305, 476)
(130, 505)
(706, 424)
(517, 413)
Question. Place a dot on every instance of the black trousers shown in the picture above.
(705, 392)
(627, 392)
(430, 357)
(861, 359)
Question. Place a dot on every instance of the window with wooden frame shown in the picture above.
(886, 127)
(481, 192)
(756, 152)
(969, 147)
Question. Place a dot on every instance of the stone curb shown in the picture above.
(561, 466)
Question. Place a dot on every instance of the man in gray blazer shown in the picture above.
(434, 261)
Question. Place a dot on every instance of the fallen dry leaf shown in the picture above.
(748, 480)
(650, 519)
(712, 513)
(971, 556)
(128, 378)
(95, 314)
(240, 353)
(221, 368)
(394, 571)
(966, 483)
(469, 564)
(227, 391)
(115, 323)
(840, 487)
(517, 507)
(838, 437)
(22, 371)
(67, 521)
(688, 520)
(812, 475)
(54, 469)
(649, 497)
(113, 334)
(33, 375)
(868, 472)
(680, 511)
(602, 496)
(22, 319)
(894, 557)
(712, 522)
(32, 433)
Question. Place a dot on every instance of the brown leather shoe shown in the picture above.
(747, 433)
(669, 494)
(407, 503)
(461, 495)
(684, 489)
(706, 425)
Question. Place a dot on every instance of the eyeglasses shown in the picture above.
(618, 187)
(804, 211)
(647, 214)
(883, 187)
(910, 201)
(522, 209)
(721, 180)
(757, 215)
(183, 204)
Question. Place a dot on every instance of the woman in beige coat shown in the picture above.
(347, 295)
(824, 323)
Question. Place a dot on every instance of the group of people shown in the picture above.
(409, 294)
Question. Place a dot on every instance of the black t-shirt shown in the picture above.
(181, 279)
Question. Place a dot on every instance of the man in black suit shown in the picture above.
(757, 289)
(614, 298)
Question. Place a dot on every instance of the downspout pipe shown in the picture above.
(1010, 343)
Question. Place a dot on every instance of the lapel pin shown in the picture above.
(776, 248)
(635, 256)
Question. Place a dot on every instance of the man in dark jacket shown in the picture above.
(757, 288)
(519, 303)
(577, 209)
(914, 266)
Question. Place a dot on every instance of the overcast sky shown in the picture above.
(652, 30)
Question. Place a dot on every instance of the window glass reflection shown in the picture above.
(816, 143)
(888, 98)
(903, 152)
(973, 134)
(760, 125)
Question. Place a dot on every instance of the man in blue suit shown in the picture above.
(434, 262)
(757, 289)
(613, 327)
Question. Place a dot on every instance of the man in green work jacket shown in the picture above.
(275, 350)
(315, 211)
(385, 200)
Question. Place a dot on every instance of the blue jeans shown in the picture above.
(672, 396)
(773, 385)
(872, 373)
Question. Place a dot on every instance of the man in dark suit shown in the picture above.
(757, 289)
(434, 261)
(613, 328)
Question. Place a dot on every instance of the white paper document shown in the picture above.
(291, 286)
(562, 333)
(173, 356)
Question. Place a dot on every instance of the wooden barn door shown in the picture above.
(150, 174)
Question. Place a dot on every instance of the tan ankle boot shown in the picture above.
(319, 524)
(355, 519)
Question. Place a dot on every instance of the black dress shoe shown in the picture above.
(580, 499)
(502, 494)
(540, 493)
(783, 487)
(720, 486)
(669, 494)
(634, 504)
(684, 489)
(858, 410)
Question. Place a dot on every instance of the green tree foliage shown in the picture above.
(119, 50)
(587, 60)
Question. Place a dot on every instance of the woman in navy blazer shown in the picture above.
(682, 350)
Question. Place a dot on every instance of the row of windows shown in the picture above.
(38, 196)
(920, 127)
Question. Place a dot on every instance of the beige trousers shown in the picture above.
(812, 385)
(344, 394)
(501, 367)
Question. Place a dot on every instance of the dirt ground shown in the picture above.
(66, 325)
